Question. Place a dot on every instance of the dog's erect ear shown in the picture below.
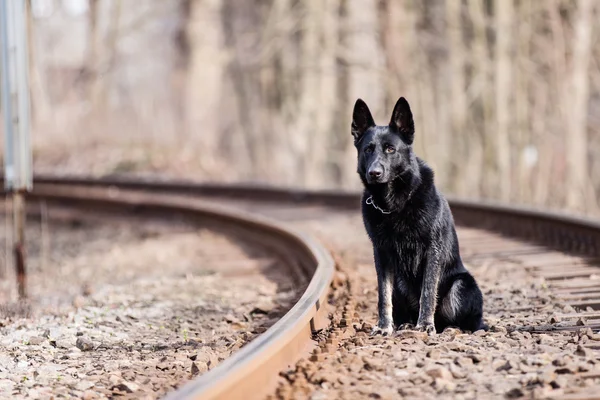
(361, 119)
(402, 120)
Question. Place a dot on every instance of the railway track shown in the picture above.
(558, 252)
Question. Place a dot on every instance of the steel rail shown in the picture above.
(252, 371)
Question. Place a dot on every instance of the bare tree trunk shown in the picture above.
(327, 92)
(364, 72)
(457, 98)
(399, 43)
(309, 101)
(104, 63)
(204, 80)
(92, 66)
(577, 156)
(504, 28)
(546, 147)
(40, 104)
(287, 85)
(480, 146)
(441, 145)
(523, 117)
(559, 110)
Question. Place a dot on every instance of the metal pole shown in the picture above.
(16, 111)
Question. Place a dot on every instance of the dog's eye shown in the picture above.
(389, 149)
(369, 149)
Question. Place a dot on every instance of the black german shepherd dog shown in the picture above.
(420, 276)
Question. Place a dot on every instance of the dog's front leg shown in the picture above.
(385, 284)
(429, 289)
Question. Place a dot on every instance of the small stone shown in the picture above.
(568, 309)
(84, 344)
(63, 343)
(507, 366)
(547, 376)
(75, 354)
(373, 364)
(36, 340)
(542, 392)
(586, 331)
(83, 385)
(407, 334)
(439, 372)
(410, 392)
(444, 384)
(477, 358)
(499, 329)
(434, 354)
(344, 380)
(162, 366)
(544, 339)
(366, 327)
(451, 331)
(516, 335)
(464, 361)
(568, 369)
(263, 308)
(125, 387)
(561, 361)
(515, 393)
(89, 395)
(582, 351)
(498, 363)
(457, 373)
(560, 382)
(230, 318)
(554, 319)
(202, 366)
(400, 373)
(114, 379)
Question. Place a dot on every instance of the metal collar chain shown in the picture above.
(371, 202)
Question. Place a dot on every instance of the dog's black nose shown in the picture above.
(375, 173)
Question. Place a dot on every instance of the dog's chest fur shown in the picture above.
(399, 239)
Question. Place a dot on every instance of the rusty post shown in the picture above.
(19, 241)
(7, 241)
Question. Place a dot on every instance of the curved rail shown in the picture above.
(245, 373)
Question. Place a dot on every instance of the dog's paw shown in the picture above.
(385, 330)
(426, 327)
(406, 327)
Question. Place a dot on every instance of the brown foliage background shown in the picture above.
(506, 94)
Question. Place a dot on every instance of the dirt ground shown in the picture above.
(131, 307)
